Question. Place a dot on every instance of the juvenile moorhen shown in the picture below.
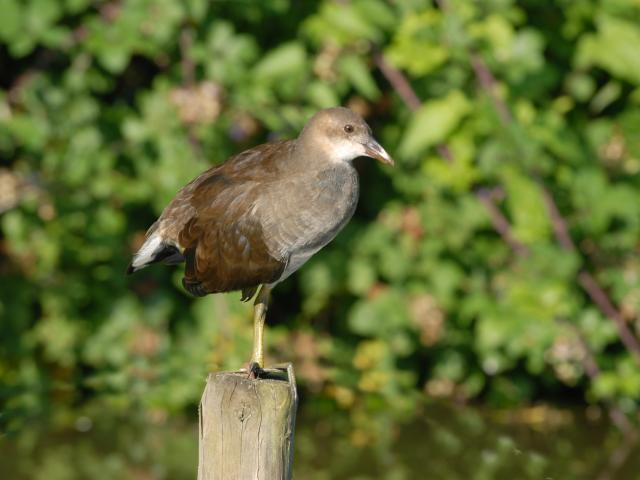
(254, 220)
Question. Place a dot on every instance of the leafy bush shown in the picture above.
(514, 126)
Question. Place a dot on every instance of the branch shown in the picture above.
(587, 280)
(488, 82)
(588, 283)
(408, 95)
(399, 82)
(500, 222)
(484, 76)
(592, 370)
(560, 227)
(619, 456)
(600, 298)
(502, 226)
(187, 67)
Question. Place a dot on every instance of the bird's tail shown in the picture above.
(154, 250)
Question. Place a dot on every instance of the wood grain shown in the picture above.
(247, 426)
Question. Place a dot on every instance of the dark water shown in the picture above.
(445, 443)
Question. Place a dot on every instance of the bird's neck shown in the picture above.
(320, 154)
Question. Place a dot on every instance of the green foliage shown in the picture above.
(108, 108)
(433, 123)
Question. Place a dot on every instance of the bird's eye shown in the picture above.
(348, 128)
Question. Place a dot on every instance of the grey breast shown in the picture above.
(306, 211)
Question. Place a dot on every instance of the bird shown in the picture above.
(250, 222)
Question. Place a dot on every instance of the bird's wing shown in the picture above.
(222, 238)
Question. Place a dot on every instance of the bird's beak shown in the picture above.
(374, 150)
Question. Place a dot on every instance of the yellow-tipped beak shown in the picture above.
(374, 150)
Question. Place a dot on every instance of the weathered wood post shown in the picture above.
(247, 426)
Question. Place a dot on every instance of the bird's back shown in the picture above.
(220, 188)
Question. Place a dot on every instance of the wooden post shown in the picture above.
(247, 426)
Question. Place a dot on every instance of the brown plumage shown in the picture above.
(223, 245)
(259, 216)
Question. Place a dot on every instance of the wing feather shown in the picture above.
(214, 223)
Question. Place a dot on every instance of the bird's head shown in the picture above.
(342, 135)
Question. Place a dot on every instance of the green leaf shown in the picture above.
(284, 60)
(434, 122)
(10, 19)
(526, 207)
(378, 12)
(384, 315)
(356, 71)
(341, 23)
(614, 47)
(361, 276)
(417, 45)
(322, 95)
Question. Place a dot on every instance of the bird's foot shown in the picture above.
(254, 371)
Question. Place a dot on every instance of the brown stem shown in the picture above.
(188, 68)
(502, 226)
(592, 370)
(560, 228)
(619, 456)
(187, 65)
(488, 83)
(484, 76)
(587, 281)
(500, 222)
(398, 81)
(408, 95)
(597, 294)
(601, 299)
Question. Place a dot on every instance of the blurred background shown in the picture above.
(478, 318)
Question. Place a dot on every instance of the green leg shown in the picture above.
(259, 315)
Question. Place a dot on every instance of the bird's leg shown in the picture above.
(259, 314)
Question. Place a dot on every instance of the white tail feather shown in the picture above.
(147, 251)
